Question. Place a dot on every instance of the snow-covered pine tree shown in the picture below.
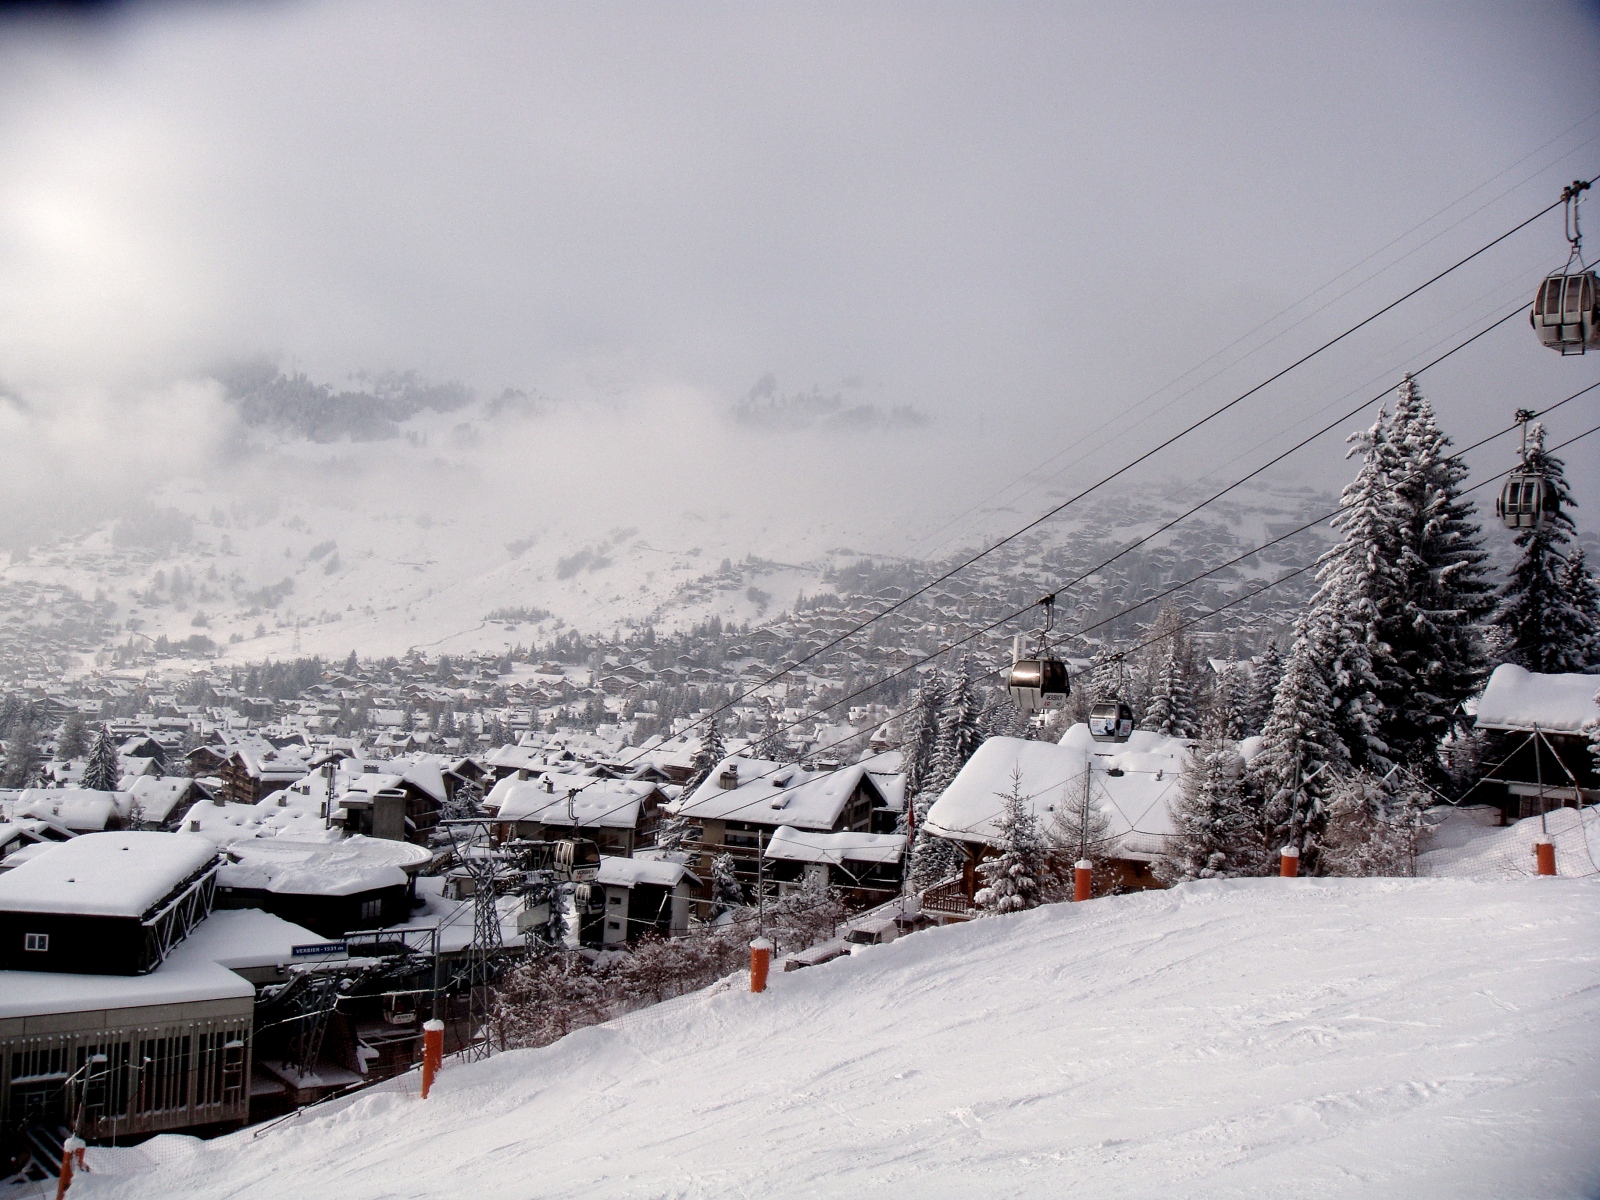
(101, 774)
(1171, 711)
(1432, 629)
(960, 727)
(1357, 584)
(919, 732)
(1302, 754)
(10, 709)
(497, 733)
(1013, 879)
(1229, 710)
(1534, 613)
(1106, 675)
(774, 742)
(1582, 641)
(22, 755)
(1216, 834)
(1079, 829)
(74, 739)
(933, 859)
(448, 727)
(1371, 831)
(1002, 718)
(1265, 672)
(705, 760)
(726, 890)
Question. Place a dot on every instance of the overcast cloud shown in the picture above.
(1016, 221)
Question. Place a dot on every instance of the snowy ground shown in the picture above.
(1260, 1037)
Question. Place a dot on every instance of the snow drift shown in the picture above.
(1317, 1037)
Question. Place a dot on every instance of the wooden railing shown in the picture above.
(947, 896)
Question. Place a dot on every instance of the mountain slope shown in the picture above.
(1325, 1038)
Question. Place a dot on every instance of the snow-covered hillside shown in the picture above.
(1366, 1038)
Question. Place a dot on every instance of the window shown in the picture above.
(615, 900)
(36, 941)
(371, 910)
(613, 924)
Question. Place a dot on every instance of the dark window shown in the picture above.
(36, 941)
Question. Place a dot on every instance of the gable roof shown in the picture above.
(1519, 699)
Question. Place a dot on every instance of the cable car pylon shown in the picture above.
(1566, 308)
(1039, 683)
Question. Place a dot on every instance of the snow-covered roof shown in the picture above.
(158, 797)
(629, 872)
(1517, 698)
(1135, 801)
(774, 794)
(184, 978)
(239, 938)
(797, 845)
(595, 801)
(355, 864)
(105, 874)
(81, 810)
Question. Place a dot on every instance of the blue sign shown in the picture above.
(318, 949)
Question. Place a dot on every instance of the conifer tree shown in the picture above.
(1215, 832)
(1171, 711)
(1432, 633)
(1105, 675)
(1013, 879)
(1265, 673)
(1356, 585)
(711, 752)
(1534, 615)
(102, 774)
(726, 890)
(960, 727)
(74, 739)
(1302, 753)
(1079, 829)
(1230, 705)
(1581, 642)
(22, 756)
(1002, 718)
(919, 736)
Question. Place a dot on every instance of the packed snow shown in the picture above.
(1415, 1038)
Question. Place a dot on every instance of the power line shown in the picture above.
(1124, 469)
(1188, 623)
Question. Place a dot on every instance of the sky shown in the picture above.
(1048, 236)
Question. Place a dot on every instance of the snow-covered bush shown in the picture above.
(1371, 829)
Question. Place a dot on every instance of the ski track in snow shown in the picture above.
(1328, 1038)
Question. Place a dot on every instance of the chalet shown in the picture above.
(633, 897)
(619, 815)
(394, 800)
(1540, 750)
(866, 867)
(744, 801)
(256, 767)
(1131, 785)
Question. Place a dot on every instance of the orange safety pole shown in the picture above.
(760, 962)
(1082, 879)
(1288, 862)
(432, 1053)
(1545, 855)
(71, 1150)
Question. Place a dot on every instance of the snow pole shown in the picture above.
(1288, 862)
(432, 1052)
(71, 1152)
(1544, 852)
(1082, 879)
(760, 961)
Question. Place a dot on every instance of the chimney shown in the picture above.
(194, 825)
(729, 779)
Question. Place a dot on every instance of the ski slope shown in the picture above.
(1322, 1038)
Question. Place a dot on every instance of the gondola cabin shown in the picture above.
(1566, 312)
(1037, 684)
(1527, 500)
(1111, 721)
